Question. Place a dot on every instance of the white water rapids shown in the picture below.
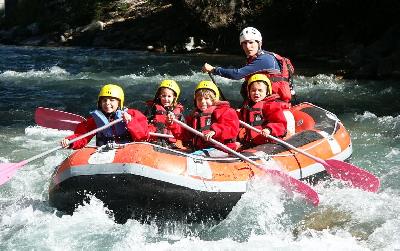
(265, 218)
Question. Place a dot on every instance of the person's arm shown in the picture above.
(138, 126)
(227, 126)
(176, 130)
(263, 63)
(273, 114)
(85, 126)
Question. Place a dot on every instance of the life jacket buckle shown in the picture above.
(111, 145)
(264, 157)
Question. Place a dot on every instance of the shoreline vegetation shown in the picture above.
(359, 39)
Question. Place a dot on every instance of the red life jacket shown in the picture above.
(281, 82)
(253, 115)
(156, 116)
(202, 122)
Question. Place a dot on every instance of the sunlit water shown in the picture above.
(265, 218)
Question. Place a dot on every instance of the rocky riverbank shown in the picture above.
(360, 43)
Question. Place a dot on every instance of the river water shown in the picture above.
(265, 218)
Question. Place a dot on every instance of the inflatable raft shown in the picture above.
(141, 179)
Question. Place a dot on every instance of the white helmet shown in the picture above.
(250, 33)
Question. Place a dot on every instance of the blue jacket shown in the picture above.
(264, 62)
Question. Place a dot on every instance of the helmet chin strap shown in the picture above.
(259, 47)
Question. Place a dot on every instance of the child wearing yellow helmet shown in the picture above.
(165, 100)
(110, 107)
(214, 118)
(263, 111)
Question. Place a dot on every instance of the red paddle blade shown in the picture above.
(291, 183)
(358, 177)
(8, 170)
(6, 176)
(60, 120)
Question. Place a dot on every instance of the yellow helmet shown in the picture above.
(171, 84)
(205, 84)
(260, 77)
(112, 90)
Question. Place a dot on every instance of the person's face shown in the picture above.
(203, 102)
(109, 104)
(257, 91)
(250, 47)
(167, 97)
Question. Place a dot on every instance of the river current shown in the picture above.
(69, 79)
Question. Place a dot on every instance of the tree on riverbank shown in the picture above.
(364, 35)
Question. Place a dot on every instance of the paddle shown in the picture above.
(51, 118)
(7, 170)
(56, 119)
(287, 181)
(338, 169)
(219, 89)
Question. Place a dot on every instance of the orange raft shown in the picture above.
(142, 179)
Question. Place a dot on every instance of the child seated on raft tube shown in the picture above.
(165, 100)
(214, 118)
(263, 111)
(134, 126)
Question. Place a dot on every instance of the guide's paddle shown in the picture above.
(358, 177)
(287, 181)
(51, 118)
(7, 170)
(219, 89)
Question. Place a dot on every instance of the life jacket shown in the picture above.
(282, 82)
(117, 133)
(254, 116)
(156, 115)
(202, 122)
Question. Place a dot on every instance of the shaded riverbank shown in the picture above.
(353, 36)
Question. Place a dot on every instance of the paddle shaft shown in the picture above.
(217, 143)
(51, 118)
(212, 78)
(319, 160)
(219, 89)
(338, 169)
(10, 169)
(71, 141)
(286, 180)
(161, 135)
